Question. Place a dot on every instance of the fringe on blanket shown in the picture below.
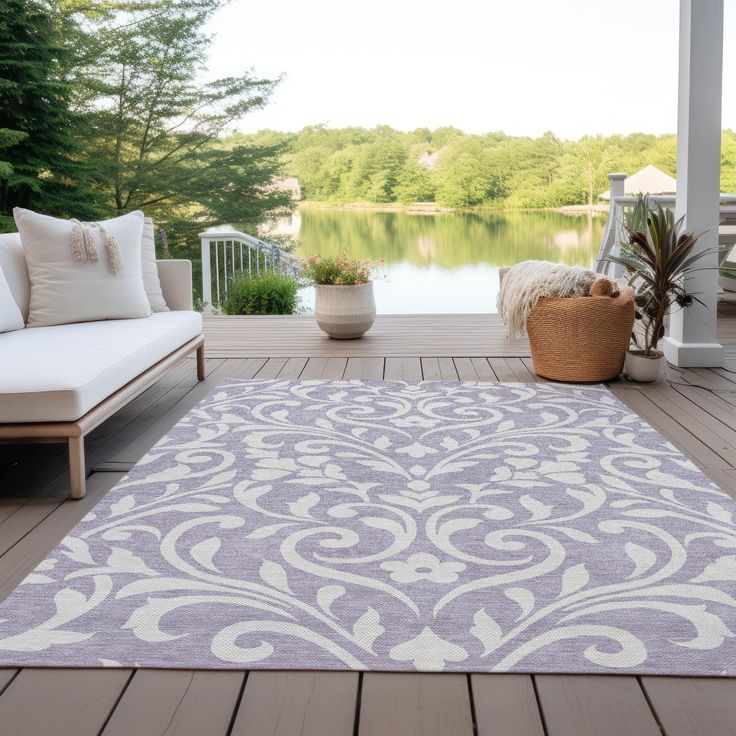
(529, 281)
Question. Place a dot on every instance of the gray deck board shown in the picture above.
(176, 703)
(506, 704)
(594, 705)
(304, 703)
(397, 704)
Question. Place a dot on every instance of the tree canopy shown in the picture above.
(111, 102)
(454, 169)
(38, 157)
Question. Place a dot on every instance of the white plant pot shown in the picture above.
(643, 368)
(345, 312)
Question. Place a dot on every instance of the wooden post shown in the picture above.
(692, 341)
(77, 467)
(200, 363)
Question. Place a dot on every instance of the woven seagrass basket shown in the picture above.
(581, 338)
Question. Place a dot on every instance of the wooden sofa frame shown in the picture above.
(73, 433)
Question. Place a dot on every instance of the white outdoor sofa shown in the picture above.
(58, 383)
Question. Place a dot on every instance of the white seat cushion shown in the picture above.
(59, 373)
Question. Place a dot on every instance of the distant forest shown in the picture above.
(454, 169)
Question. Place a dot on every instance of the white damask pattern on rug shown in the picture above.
(385, 526)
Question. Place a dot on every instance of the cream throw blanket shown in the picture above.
(529, 281)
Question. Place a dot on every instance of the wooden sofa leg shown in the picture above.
(77, 469)
(200, 362)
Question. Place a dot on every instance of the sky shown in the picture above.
(574, 67)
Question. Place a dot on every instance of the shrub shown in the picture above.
(272, 292)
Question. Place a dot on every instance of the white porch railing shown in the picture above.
(228, 254)
(613, 233)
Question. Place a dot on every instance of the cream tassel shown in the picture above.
(84, 249)
(90, 249)
(78, 253)
(113, 253)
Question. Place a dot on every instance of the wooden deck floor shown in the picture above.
(696, 409)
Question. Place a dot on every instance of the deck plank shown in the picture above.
(397, 704)
(6, 677)
(60, 702)
(520, 370)
(403, 369)
(271, 368)
(335, 369)
(313, 369)
(293, 369)
(431, 369)
(484, 370)
(692, 706)
(502, 370)
(304, 703)
(142, 441)
(594, 705)
(25, 519)
(365, 369)
(698, 421)
(402, 335)
(678, 435)
(448, 372)
(465, 369)
(506, 705)
(176, 703)
(30, 549)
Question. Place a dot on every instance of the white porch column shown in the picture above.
(692, 332)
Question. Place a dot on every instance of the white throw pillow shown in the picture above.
(65, 290)
(10, 316)
(151, 283)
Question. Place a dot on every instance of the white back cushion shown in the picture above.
(13, 265)
(10, 316)
(151, 282)
(64, 290)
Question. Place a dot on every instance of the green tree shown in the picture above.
(414, 184)
(154, 132)
(39, 163)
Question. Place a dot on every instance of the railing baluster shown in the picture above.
(224, 267)
(217, 272)
(257, 249)
(205, 244)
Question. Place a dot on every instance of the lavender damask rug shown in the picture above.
(386, 526)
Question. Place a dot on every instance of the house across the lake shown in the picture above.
(649, 180)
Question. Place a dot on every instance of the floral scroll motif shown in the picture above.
(389, 526)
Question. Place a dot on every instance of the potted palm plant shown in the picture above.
(344, 304)
(657, 255)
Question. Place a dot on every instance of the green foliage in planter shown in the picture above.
(268, 293)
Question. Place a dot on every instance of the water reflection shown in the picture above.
(442, 263)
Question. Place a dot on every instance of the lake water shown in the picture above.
(442, 263)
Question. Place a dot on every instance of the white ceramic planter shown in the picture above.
(642, 368)
(345, 312)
